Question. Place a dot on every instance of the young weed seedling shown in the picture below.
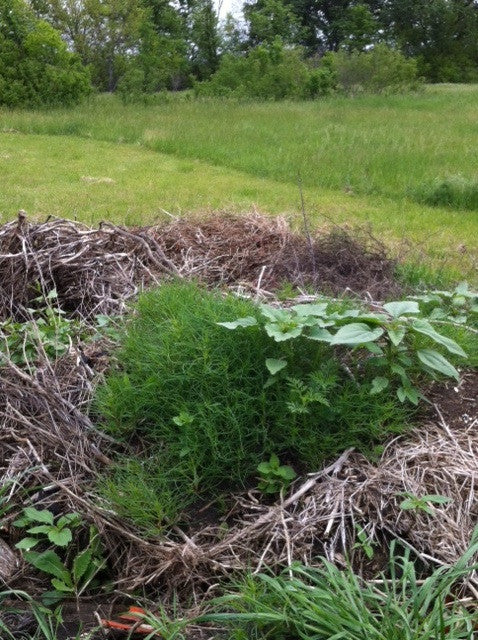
(415, 503)
(274, 477)
(72, 575)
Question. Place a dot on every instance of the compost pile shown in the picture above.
(96, 271)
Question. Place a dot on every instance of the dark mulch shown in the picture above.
(457, 402)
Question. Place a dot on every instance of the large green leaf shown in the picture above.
(286, 472)
(372, 318)
(401, 307)
(41, 528)
(282, 331)
(374, 348)
(39, 516)
(319, 334)
(424, 327)
(275, 315)
(61, 586)
(50, 563)
(60, 537)
(275, 365)
(72, 519)
(249, 321)
(81, 564)
(379, 384)
(408, 392)
(436, 498)
(434, 360)
(310, 309)
(27, 543)
(356, 333)
(396, 335)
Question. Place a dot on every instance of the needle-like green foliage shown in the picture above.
(200, 399)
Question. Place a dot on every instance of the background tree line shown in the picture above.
(145, 46)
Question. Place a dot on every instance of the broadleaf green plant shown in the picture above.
(422, 503)
(364, 543)
(47, 330)
(459, 304)
(274, 477)
(389, 333)
(72, 574)
(58, 533)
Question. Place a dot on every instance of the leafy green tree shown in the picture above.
(205, 39)
(159, 63)
(233, 36)
(105, 33)
(36, 67)
(359, 28)
(327, 24)
(441, 34)
(269, 19)
(169, 49)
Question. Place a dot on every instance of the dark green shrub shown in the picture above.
(268, 72)
(455, 192)
(36, 67)
(196, 395)
(379, 70)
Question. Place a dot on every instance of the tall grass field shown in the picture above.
(407, 163)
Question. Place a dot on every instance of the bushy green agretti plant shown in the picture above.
(200, 399)
(328, 602)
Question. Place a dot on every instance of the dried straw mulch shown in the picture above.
(93, 270)
(264, 252)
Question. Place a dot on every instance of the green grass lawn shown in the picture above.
(359, 159)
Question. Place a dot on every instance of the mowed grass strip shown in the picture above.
(371, 144)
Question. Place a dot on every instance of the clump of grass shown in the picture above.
(327, 602)
(196, 395)
(421, 275)
(454, 192)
